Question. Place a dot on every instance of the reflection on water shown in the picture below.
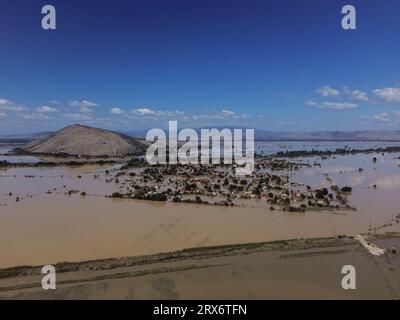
(16, 159)
(376, 186)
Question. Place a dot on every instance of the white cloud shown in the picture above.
(287, 123)
(347, 98)
(85, 110)
(5, 102)
(311, 103)
(146, 114)
(331, 105)
(14, 108)
(35, 116)
(382, 117)
(390, 94)
(151, 117)
(143, 111)
(11, 106)
(83, 104)
(355, 95)
(359, 95)
(3, 115)
(116, 111)
(337, 105)
(228, 112)
(327, 91)
(76, 116)
(46, 109)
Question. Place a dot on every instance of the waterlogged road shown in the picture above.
(372, 248)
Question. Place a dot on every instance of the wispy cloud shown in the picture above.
(358, 95)
(143, 111)
(11, 106)
(5, 102)
(35, 116)
(14, 108)
(153, 117)
(337, 105)
(382, 117)
(354, 95)
(346, 98)
(83, 104)
(86, 110)
(386, 118)
(46, 109)
(331, 105)
(311, 103)
(117, 111)
(387, 95)
(228, 112)
(327, 91)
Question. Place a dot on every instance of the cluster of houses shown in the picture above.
(268, 186)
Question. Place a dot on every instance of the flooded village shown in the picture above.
(59, 208)
(199, 150)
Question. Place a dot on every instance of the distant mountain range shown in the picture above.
(366, 135)
(22, 138)
(25, 136)
(329, 136)
(308, 136)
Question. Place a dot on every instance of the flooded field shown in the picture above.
(298, 270)
(54, 214)
(376, 185)
(272, 147)
(15, 159)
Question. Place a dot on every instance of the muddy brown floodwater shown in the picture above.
(47, 226)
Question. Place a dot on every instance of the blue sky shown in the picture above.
(277, 65)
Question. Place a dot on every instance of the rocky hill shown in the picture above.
(85, 141)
